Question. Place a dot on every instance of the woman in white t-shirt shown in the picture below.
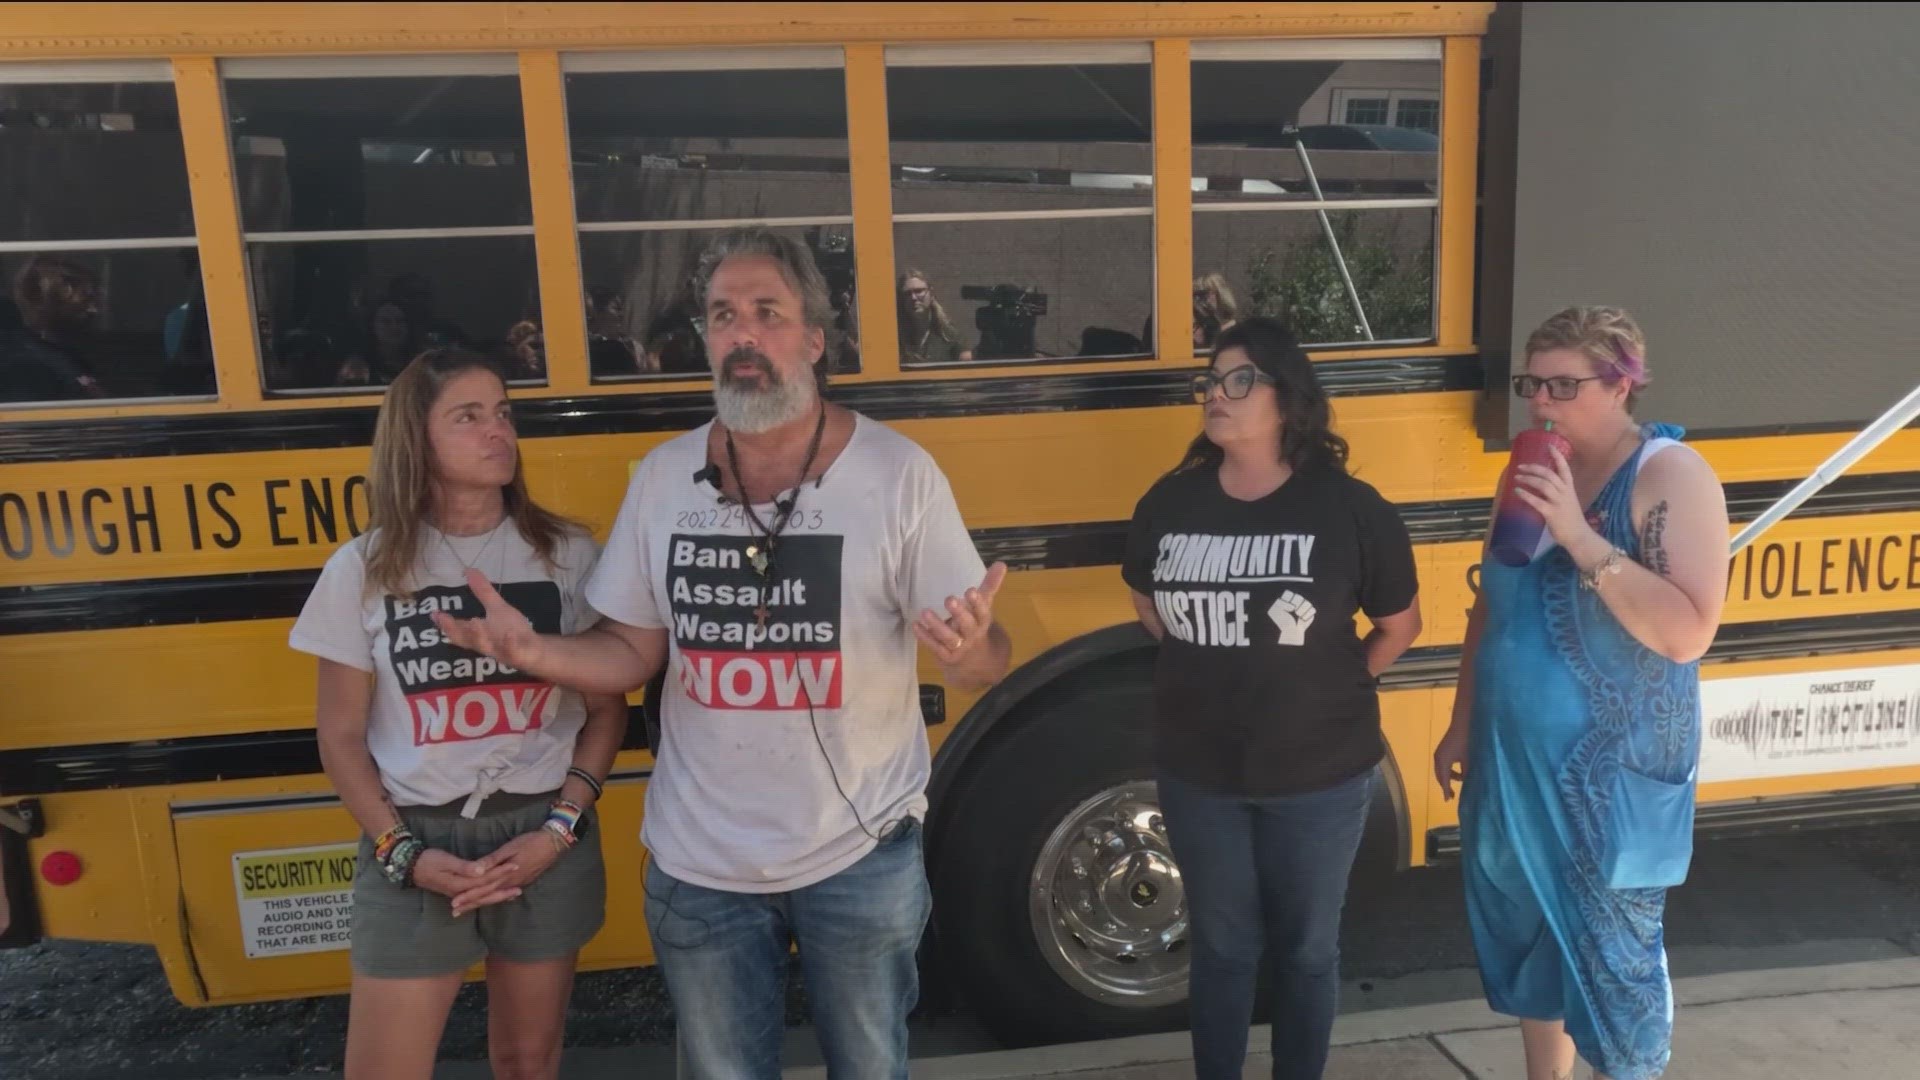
(473, 783)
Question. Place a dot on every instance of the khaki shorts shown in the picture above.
(410, 933)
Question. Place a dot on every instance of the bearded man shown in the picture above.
(783, 558)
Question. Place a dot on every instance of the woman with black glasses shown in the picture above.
(1577, 715)
(1248, 562)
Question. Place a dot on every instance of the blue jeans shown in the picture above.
(725, 958)
(1265, 878)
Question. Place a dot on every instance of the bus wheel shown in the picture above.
(1064, 914)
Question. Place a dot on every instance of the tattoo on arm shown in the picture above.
(1653, 550)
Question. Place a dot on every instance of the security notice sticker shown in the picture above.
(1810, 722)
(295, 900)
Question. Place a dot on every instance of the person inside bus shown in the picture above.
(186, 337)
(474, 785)
(1215, 307)
(673, 345)
(52, 357)
(527, 351)
(927, 335)
(414, 293)
(391, 343)
(1576, 720)
(797, 551)
(611, 351)
(1248, 562)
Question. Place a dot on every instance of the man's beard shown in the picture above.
(752, 410)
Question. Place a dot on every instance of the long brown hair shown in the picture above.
(400, 485)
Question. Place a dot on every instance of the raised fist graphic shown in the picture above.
(1292, 613)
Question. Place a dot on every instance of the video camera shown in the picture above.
(1005, 320)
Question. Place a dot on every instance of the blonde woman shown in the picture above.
(927, 335)
(1577, 717)
(473, 784)
(1215, 308)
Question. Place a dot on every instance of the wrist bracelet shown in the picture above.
(586, 778)
(398, 866)
(384, 844)
(1607, 566)
(563, 818)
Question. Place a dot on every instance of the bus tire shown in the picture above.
(1090, 945)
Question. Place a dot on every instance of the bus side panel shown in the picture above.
(1413, 721)
(108, 901)
(268, 893)
(1803, 757)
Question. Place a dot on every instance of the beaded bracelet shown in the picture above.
(384, 844)
(398, 866)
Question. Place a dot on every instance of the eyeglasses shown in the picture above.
(1235, 384)
(1561, 387)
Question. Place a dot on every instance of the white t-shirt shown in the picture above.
(742, 798)
(446, 723)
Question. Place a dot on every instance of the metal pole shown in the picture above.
(1857, 447)
(1326, 226)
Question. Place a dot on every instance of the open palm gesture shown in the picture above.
(502, 632)
(969, 618)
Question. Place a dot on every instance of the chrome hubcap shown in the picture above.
(1108, 906)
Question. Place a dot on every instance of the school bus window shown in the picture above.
(1301, 211)
(100, 294)
(668, 147)
(386, 210)
(1023, 201)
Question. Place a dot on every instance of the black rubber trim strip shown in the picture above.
(642, 411)
(279, 594)
(1762, 816)
(46, 770)
(150, 762)
(1773, 431)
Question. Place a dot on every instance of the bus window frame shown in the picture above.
(96, 72)
(765, 58)
(1347, 50)
(324, 68)
(540, 47)
(1039, 53)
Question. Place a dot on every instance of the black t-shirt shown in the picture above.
(1262, 687)
(33, 368)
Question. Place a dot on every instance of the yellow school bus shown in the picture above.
(225, 224)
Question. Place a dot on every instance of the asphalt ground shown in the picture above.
(78, 1010)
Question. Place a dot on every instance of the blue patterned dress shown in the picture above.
(1577, 810)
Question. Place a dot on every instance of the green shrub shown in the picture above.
(1302, 284)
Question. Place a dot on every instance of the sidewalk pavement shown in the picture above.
(1837, 1020)
(1782, 1023)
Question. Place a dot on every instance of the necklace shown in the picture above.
(492, 535)
(760, 553)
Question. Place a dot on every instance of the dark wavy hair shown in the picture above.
(1307, 439)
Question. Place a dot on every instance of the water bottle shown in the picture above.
(1517, 527)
